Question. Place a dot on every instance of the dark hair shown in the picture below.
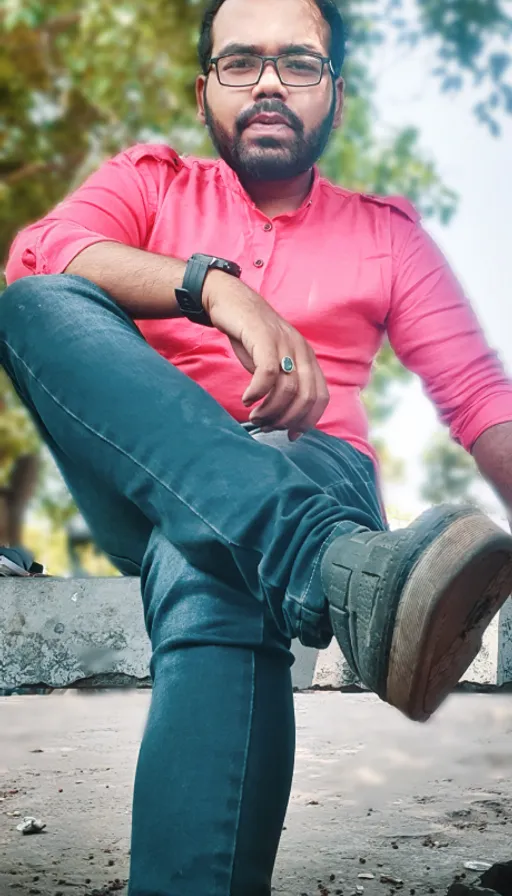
(328, 9)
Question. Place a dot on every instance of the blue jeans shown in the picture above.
(227, 533)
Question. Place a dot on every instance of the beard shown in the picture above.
(267, 158)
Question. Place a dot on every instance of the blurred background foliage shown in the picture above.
(80, 81)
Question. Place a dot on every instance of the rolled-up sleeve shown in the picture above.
(116, 204)
(435, 334)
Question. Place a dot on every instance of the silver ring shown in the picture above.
(288, 365)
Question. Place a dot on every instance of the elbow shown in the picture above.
(466, 428)
(16, 268)
(22, 260)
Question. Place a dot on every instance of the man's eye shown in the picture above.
(240, 63)
(301, 65)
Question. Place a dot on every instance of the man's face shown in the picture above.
(270, 150)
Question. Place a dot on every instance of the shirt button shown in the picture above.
(259, 263)
(268, 226)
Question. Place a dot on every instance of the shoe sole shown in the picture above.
(452, 594)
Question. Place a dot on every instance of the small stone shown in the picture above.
(111, 862)
(477, 866)
(365, 875)
(332, 877)
(362, 861)
(389, 879)
(31, 825)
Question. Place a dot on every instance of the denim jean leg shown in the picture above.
(345, 474)
(216, 761)
(212, 786)
(106, 399)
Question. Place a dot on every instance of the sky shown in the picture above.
(478, 241)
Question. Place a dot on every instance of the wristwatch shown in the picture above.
(190, 296)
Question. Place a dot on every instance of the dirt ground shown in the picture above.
(373, 794)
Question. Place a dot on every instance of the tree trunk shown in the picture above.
(15, 498)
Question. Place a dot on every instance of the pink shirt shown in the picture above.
(344, 269)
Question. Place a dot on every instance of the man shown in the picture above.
(243, 543)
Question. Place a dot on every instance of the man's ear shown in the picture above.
(200, 92)
(339, 87)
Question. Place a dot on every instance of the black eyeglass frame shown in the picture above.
(325, 60)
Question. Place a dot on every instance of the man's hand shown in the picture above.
(260, 340)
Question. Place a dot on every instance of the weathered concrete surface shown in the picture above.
(62, 631)
(368, 785)
(58, 631)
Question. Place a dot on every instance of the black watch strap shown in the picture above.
(190, 296)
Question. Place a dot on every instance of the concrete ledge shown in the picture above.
(61, 631)
(90, 632)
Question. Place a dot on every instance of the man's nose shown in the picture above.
(270, 84)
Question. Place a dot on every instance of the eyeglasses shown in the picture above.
(293, 69)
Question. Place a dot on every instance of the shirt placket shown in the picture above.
(263, 236)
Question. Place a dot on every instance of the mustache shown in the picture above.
(269, 107)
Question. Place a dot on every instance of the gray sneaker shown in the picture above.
(409, 608)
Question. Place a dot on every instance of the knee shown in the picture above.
(35, 288)
(43, 302)
(28, 297)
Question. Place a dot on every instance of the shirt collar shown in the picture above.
(233, 184)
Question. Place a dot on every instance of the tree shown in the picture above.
(79, 82)
(19, 448)
(471, 41)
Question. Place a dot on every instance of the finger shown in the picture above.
(287, 386)
(296, 424)
(278, 401)
(309, 386)
(317, 410)
(267, 370)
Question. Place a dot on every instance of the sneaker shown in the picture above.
(409, 608)
(18, 562)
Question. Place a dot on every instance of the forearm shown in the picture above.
(140, 282)
(493, 455)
